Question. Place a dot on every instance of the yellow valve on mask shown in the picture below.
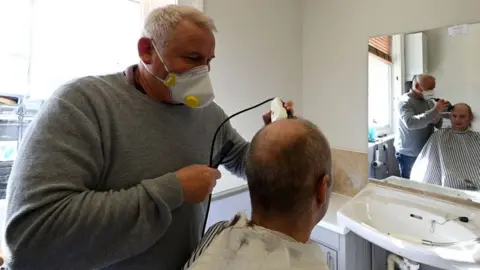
(192, 101)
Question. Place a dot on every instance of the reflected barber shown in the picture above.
(111, 173)
(417, 119)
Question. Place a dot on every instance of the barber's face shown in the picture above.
(460, 118)
(427, 84)
(189, 46)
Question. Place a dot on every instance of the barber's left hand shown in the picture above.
(447, 104)
(267, 117)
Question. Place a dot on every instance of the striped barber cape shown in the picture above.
(207, 239)
(240, 245)
(450, 159)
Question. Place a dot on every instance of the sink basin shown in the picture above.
(398, 221)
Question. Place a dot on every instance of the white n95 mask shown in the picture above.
(427, 95)
(192, 88)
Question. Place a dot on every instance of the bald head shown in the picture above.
(461, 116)
(286, 161)
(423, 82)
(280, 136)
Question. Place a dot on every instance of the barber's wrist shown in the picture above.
(432, 114)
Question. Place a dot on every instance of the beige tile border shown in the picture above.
(350, 171)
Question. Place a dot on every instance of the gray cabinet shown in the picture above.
(343, 252)
(379, 259)
(330, 256)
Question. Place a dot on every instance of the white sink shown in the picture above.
(383, 216)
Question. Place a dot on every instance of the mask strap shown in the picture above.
(417, 79)
(151, 73)
(160, 56)
(170, 79)
(147, 67)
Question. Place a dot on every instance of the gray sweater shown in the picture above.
(415, 124)
(94, 187)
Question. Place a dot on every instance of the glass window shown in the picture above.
(50, 42)
(379, 93)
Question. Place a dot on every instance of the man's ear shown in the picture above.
(416, 86)
(322, 190)
(145, 50)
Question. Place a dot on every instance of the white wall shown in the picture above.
(258, 55)
(455, 63)
(335, 36)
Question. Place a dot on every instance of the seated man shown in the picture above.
(289, 177)
(451, 157)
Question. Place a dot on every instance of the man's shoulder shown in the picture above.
(216, 110)
(206, 240)
(407, 97)
(217, 228)
(443, 131)
(89, 87)
(439, 134)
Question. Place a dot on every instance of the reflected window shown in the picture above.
(379, 92)
(380, 84)
(51, 42)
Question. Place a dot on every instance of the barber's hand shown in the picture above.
(441, 105)
(448, 104)
(197, 181)
(267, 117)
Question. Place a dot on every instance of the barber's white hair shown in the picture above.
(161, 22)
(419, 79)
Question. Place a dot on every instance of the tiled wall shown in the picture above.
(350, 171)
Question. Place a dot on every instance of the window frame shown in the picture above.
(386, 129)
(21, 112)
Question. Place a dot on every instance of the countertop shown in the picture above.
(381, 140)
(329, 221)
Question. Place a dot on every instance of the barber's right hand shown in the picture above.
(441, 105)
(197, 181)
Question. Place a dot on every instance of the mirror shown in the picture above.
(423, 95)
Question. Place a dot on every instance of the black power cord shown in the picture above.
(215, 162)
(225, 121)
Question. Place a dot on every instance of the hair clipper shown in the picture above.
(278, 110)
(450, 106)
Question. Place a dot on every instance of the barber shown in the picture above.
(417, 119)
(111, 173)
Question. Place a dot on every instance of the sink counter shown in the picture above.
(343, 249)
(329, 222)
(411, 225)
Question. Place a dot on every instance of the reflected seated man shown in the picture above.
(288, 171)
(451, 157)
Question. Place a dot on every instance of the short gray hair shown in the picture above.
(161, 22)
(419, 79)
(282, 177)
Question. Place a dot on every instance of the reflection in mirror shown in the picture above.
(423, 95)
